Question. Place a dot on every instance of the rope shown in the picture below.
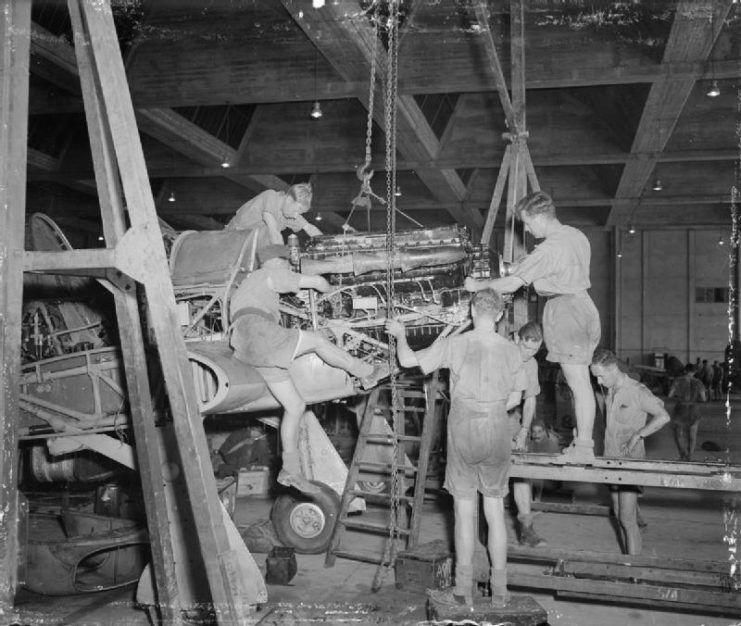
(389, 556)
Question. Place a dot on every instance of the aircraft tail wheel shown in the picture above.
(305, 521)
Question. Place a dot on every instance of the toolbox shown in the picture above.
(428, 566)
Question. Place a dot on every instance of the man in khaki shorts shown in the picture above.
(259, 340)
(558, 268)
(486, 378)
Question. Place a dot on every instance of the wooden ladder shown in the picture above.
(416, 398)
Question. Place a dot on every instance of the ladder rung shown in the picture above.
(384, 468)
(370, 526)
(389, 439)
(380, 497)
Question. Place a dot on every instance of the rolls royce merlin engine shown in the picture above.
(420, 280)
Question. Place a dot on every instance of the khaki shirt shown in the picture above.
(251, 214)
(628, 407)
(484, 366)
(558, 265)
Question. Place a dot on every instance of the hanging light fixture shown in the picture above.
(397, 192)
(318, 217)
(171, 197)
(619, 254)
(714, 90)
(225, 161)
(657, 186)
(721, 241)
(316, 111)
(631, 229)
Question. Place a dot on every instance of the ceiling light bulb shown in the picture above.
(225, 164)
(171, 197)
(714, 90)
(657, 185)
(620, 254)
(318, 217)
(316, 111)
(317, 4)
(631, 229)
(721, 241)
(101, 238)
(397, 193)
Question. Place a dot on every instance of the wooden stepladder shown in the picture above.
(134, 257)
(417, 400)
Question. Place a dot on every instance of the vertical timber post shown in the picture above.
(14, 60)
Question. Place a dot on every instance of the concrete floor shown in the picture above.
(681, 523)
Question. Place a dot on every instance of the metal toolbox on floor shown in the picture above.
(428, 566)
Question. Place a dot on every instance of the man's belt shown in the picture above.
(251, 311)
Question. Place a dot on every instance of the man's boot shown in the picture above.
(461, 594)
(528, 536)
(580, 452)
(291, 476)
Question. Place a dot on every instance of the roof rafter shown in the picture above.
(347, 43)
(691, 40)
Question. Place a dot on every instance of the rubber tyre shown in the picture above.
(305, 522)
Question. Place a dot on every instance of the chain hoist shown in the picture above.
(364, 172)
(391, 82)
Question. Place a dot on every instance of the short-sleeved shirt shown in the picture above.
(628, 407)
(558, 265)
(484, 366)
(261, 290)
(251, 214)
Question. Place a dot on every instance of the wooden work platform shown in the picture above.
(520, 611)
(710, 476)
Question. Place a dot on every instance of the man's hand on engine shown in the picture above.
(395, 328)
(471, 284)
(312, 230)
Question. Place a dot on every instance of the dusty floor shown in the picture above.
(681, 524)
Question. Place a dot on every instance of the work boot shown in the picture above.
(461, 594)
(529, 538)
(291, 476)
(449, 598)
(580, 452)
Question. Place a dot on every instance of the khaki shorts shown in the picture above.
(478, 453)
(265, 345)
(571, 328)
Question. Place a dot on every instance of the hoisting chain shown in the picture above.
(397, 414)
(364, 173)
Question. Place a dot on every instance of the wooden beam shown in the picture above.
(605, 470)
(165, 125)
(347, 43)
(15, 24)
(691, 39)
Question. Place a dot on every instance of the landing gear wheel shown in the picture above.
(305, 522)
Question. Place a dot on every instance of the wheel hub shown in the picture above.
(307, 520)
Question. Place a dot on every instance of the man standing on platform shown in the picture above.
(558, 268)
(486, 378)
